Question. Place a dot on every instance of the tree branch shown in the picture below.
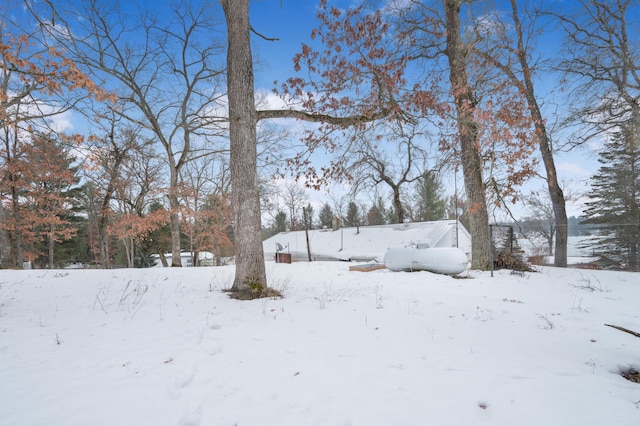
(262, 36)
(323, 118)
(626, 330)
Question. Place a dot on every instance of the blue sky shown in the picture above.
(291, 22)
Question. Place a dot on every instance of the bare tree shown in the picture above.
(508, 47)
(492, 136)
(395, 158)
(36, 84)
(135, 192)
(541, 219)
(294, 199)
(203, 178)
(434, 36)
(105, 158)
(166, 76)
(243, 116)
(602, 66)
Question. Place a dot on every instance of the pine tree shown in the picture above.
(615, 200)
(428, 195)
(159, 239)
(353, 215)
(280, 222)
(326, 216)
(391, 215)
(48, 177)
(309, 216)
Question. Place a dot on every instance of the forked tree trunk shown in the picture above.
(397, 203)
(468, 133)
(250, 267)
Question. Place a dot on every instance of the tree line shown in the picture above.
(175, 129)
(426, 201)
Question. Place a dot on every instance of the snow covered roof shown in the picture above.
(368, 242)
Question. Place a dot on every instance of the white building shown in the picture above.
(205, 258)
(367, 242)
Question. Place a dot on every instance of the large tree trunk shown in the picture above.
(174, 217)
(102, 233)
(51, 248)
(131, 257)
(17, 227)
(5, 242)
(555, 192)
(250, 268)
(559, 210)
(469, 145)
(634, 207)
(397, 203)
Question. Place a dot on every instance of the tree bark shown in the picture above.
(119, 154)
(174, 217)
(51, 249)
(17, 226)
(250, 267)
(5, 242)
(468, 134)
(104, 241)
(397, 203)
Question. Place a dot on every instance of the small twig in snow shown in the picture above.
(549, 325)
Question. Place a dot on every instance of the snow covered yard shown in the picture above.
(168, 347)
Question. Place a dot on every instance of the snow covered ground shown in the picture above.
(168, 347)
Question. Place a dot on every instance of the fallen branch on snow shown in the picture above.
(626, 330)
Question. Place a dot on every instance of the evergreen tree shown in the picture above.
(430, 205)
(75, 249)
(326, 216)
(309, 216)
(391, 215)
(353, 216)
(615, 200)
(158, 240)
(280, 222)
(47, 200)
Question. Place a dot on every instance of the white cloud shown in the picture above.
(575, 170)
(62, 122)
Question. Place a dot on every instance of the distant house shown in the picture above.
(205, 258)
(367, 242)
